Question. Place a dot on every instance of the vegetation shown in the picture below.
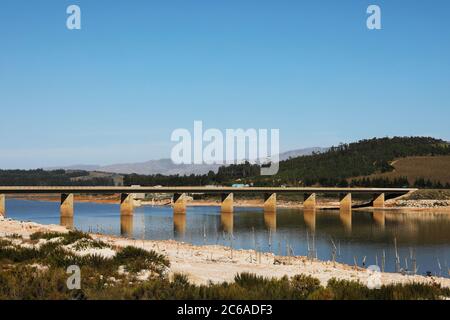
(339, 166)
(363, 163)
(40, 177)
(39, 272)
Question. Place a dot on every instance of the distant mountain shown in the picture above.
(167, 167)
(301, 152)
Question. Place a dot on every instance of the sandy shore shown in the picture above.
(218, 263)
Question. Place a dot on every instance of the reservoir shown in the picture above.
(420, 239)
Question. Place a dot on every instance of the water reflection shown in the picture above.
(309, 216)
(179, 224)
(380, 218)
(227, 222)
(345, 216)
(66, 222)
(270, 220)
(126, 226)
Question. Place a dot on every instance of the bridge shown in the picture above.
(226, 193)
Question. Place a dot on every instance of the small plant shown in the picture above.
(137, 259)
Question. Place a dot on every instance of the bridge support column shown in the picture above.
(270, 202)
(345, 200)
(66, 207)
(2, 205)
(227, 203)
(310, 201)
(378, 200)
(126, 204)
(179, 203)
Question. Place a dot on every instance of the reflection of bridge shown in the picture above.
(179, 198)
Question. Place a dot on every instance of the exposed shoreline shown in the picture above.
(215, 263)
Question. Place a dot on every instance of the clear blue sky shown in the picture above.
(116, 89)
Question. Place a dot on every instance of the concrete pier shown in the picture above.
(66, 207)
(309, 201)
(126, 204)
(2, 205)
(179, 203)
(345, 201)
(378, 200)
(270, 202)
(227, 203)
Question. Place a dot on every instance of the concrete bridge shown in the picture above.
(226, 193)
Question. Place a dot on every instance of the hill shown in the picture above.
(435, 169)
(363, 158)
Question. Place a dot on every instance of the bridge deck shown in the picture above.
(216, 190)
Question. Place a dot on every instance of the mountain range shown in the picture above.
(167, 167)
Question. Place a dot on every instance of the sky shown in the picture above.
(115, 90)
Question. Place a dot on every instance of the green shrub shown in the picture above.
(137, 259)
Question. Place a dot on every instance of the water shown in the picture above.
(356, 235)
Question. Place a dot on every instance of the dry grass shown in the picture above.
(428, 167)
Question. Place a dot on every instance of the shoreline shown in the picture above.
(216, 263)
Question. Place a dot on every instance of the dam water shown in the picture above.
(365, 237)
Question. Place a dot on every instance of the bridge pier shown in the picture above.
(126, 204)
(309, 201)
(270, 202)
(2, 205)
(227, 203)
(378, 200)
(66, 207)
(179, 203)
(345, 201)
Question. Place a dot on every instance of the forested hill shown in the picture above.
(334, 167)
(361, 158)
(369, 161)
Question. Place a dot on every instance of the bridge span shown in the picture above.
(179, 195)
